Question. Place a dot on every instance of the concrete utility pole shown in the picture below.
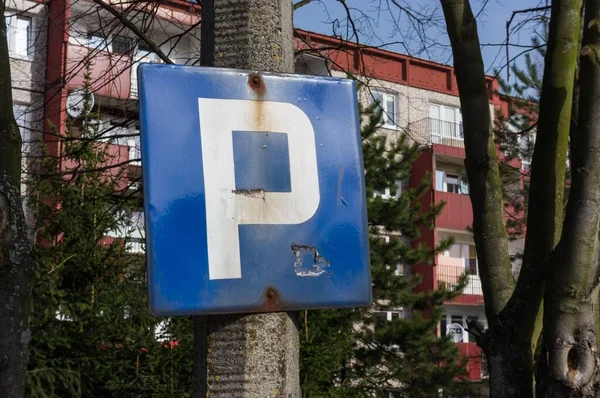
(250, 355)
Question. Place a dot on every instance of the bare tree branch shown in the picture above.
(301, 3)
(135, 30)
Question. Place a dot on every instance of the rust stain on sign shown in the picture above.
(257, 84)
(273, 300)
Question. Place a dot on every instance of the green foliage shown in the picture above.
(92, 334)
(357, 353)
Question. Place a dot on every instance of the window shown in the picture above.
(387, 192)
(526, 145)
(467, 254)
(19, 35)
(135, 154)
(445, 123)
(400, 270)
(146, 54)
(452, 183)
(81, 35)
(143, 54)
(387, 102)
(131, 228)
(390, 315)
(114, 132)
(97, 42)
(472, 261)
(449, 182)
(121, 45)
(23, 117)
(135, 246)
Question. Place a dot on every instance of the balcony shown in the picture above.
(110, 73)
(457, 214)
(450, 270)
(435, 131)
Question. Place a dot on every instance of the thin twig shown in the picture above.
(135, 30)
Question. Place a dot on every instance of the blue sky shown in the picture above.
(375, 20)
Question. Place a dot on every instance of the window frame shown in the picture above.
(131, 47)
(525, 142)
(85, 37)
(386, 194)
(452, 180)
(11, 19)
(457, 132)
(441, 182)
(134, 150)
(464, 253)
(387, 97)
(390, 315)
(22, 115)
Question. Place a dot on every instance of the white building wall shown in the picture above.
(27, 34)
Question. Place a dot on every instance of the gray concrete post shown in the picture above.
(251, 355)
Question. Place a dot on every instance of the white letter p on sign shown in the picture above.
(226, 208)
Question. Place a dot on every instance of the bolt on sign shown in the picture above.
(253, 191)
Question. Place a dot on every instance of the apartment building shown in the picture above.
(419, 98)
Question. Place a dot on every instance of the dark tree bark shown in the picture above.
(570, 314)
(16, 270)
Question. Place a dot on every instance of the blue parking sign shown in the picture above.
(253, 191)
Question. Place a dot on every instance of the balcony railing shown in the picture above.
(448, 276)
(437, 131)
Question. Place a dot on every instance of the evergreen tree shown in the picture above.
(357, 353)
(92, 334)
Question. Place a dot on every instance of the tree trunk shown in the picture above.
(16, 268)
(514, 315)
(571, 296)
(509, 354)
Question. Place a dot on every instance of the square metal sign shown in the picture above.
(254, 192)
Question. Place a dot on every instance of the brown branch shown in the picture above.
(301, 4)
